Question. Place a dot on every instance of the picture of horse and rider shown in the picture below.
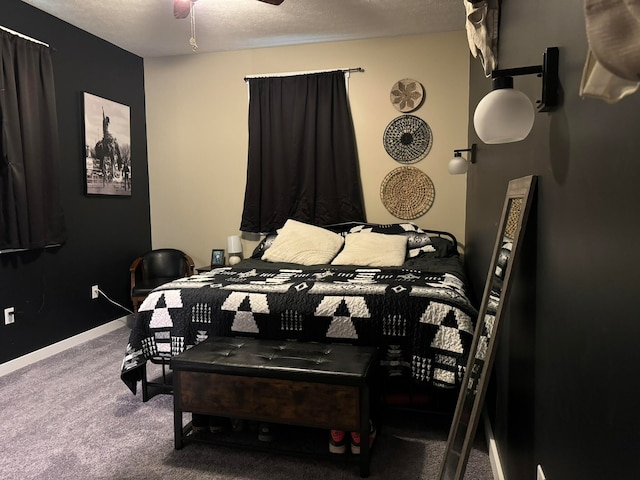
(107, 146)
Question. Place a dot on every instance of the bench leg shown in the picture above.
(177, 427)
(365, 450)
(145, 384)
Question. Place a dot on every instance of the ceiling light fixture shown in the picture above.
(506, 115)
(458, 164)
(192, 40)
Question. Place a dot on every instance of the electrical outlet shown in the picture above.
(540, 475)
(94, 292)
(9, 315)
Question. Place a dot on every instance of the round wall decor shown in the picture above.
(407, 95)
(407, 139)
(407, 192)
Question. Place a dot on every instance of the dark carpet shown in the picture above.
(71, 417)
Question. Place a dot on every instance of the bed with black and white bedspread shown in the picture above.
(419, 314)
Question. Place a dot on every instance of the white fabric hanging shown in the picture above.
(612, 67)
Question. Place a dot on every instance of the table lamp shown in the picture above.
(234, 247)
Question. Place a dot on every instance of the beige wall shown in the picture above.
(197, 130)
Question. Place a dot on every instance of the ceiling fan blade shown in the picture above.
(181, 8)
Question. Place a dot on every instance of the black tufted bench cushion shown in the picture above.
(338, 364)
(309, 384)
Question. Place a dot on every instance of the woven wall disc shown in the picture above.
(407, 139)
(406, 95)
(407, 192)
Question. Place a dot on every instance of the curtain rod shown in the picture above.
(289, 74)
(21, 35)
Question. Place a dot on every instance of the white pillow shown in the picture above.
(305, 244)
(373, 250)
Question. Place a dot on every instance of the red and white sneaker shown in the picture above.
(337, 441)
(355, 439)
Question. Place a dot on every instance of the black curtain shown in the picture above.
(30, 212)
(302, 161)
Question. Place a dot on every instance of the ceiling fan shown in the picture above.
(182, 8)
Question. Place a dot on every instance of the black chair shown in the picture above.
(149, 271)
(156, 268)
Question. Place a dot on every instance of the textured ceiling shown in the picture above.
(148, 28)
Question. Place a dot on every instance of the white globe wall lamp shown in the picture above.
(459, 165)
(506, 115)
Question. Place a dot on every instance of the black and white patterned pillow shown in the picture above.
(264, 244)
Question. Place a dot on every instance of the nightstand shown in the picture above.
(207, 268)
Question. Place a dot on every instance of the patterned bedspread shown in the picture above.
(422, 321)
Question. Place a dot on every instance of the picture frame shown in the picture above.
(107, 146)
(217, 257)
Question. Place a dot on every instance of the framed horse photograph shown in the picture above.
(107, 146)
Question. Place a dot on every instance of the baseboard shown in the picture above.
(494, 457)
(28, 359)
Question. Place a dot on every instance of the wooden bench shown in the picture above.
(315, 385)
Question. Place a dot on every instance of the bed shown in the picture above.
(414, 307)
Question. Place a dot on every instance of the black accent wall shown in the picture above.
(564, 391)
(51, 289)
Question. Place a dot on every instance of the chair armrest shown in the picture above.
(191, 264)
(132, 271)
(135, 264)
